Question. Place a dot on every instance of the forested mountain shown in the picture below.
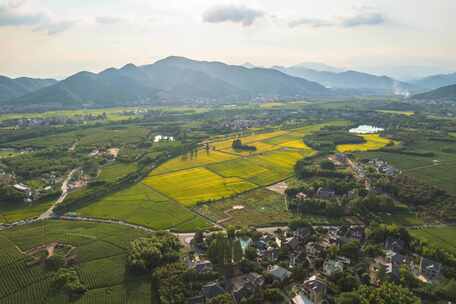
(177, 80)
(12, 88)
(443, 93)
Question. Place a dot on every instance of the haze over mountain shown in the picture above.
(12, 88)
(174, 80)
(368, 83)
(436, 81)
(443, 93)
(318, 66)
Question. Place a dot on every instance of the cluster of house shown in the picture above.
(31, 194)
(302, 247)
(54, 120)
(383, 167)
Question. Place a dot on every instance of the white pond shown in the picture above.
(366, 129)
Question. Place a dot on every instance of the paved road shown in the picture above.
(50, 212)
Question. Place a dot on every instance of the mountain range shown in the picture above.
(436, 81)
(182, 80)
(12, 88)
(363, 82)
(174, 79)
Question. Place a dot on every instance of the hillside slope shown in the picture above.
(444, 93)
(12, 88)
(177, 80)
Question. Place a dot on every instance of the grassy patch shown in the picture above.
(116, 171)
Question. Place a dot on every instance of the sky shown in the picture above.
(57, 38)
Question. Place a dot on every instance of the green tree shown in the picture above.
(225, 298)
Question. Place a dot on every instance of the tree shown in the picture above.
(327, 165)
(171, 286)
(387, 293)
(54, 262)
(145, 254)
(273, 295)
(237, 251)
(350, 250)
(225, 298)
(67, 280)
(349, 298)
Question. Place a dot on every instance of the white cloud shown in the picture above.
(358, 20)
(232, 13)
(16, 13)
(364, 19)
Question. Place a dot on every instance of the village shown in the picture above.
(302, 264)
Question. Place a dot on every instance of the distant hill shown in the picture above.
(436, 81)
(443, 93)
(177, 80)
(317, 66)
(12, 88)
(368, 83)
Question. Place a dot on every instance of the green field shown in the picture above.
(116, 171)
(212, 174)
(261, 207)
(101, 249)
(438, 170)
(113, 114)
(442, 237)
(141, 205)
(12, 213)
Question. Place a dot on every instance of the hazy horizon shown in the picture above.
(59, 39)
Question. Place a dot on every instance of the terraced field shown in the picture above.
(101, 249)
(373, 142)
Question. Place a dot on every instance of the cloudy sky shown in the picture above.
(56, 38)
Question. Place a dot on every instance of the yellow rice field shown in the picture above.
(373, 142)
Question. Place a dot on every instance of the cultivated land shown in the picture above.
(100, 248)
(196, 185)
(373, 142)
(141, 205)
(13, 213)
(438, 169)
(257, 207)
(211, 173)
(441, 237)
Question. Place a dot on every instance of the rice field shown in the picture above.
(373, 142)
(195, 185)
(220, 172)
(187, 161)
(142, 205)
